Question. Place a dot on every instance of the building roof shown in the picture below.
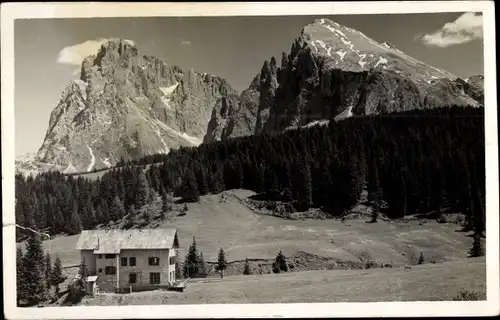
(112, 241)
(91, 279)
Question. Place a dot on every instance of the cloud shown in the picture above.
(73, 55)
(466, 28)
(186, 42)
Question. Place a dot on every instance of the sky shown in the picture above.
(48, 52)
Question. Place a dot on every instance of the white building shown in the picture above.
(124, 260)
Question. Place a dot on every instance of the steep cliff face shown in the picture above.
(333, 72)
(126, 105)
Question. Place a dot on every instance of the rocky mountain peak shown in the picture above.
(333, 72)
(126, 105)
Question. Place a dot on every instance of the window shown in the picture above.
(154, 278)
(100, 270)
(132, 261)
(132, 278)
(172, 260)
(109, 256)
(110, 270)
(99, 256)
(154, 261)
(123, 261)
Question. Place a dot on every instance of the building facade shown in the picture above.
(129, 260)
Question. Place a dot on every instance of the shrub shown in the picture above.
(281, 262)
(477, 249)
(421, 258)
(466, 295)
(246, 268)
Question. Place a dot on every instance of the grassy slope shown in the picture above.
(242, 233)
(429, 282)
(231, 225)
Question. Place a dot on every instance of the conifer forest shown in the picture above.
(420, 161)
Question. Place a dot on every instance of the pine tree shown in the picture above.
(421, 258)
(302, 186)
(201, 180)
(281, 262)
(178, 270)
(167, 201)
(376, 194)
(191, 263)
(75, 224)
(142, 189)
(21, 287)
(82, 269)
(246, 268)
(189, 190)
(48, 269)
(56, 277)
(118, 211)
(33, 271)
(221, 263)
(202, 267)
(130, 217)
(477, 249)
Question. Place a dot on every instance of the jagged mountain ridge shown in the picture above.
(126, 105)
(333, 71)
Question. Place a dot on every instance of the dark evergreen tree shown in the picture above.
(117, 211)
(178, 270)
(421, 258)
(82, 269)
(56, 277)
(21, 281)
(191, 263)
(246, 268)
(142, 189)
(75, 224)
(48, 269)
(477, 249)
(189, 190)
(202, 267)
(33, 271)
(281, 262)
(221, 263)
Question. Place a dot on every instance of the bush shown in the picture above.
(76, 291)
(246, 268)
(421, 258)
(466, 295)
(281, 262)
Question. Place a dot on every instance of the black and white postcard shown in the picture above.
(208, 160)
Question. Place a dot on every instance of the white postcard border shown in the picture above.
(12, 11)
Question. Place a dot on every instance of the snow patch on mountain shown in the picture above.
(70, 168)
(92, 159)
(166, 150)
(106, 162)
(316, 123)
(193, 140)
(381, 60)
(341, 54)
(361, 62)
(168, 90)
(347, 113)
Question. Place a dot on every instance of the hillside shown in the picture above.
(242, 233)
(430, 282)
